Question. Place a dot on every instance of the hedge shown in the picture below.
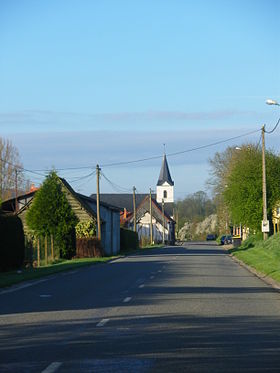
(11, 243)
(129, 239)
(88, 247)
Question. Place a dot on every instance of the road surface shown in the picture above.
(177, 309)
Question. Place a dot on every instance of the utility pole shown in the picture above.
(134, 209)
(98, 169)
(163, 222)
(265, 223)
(151, 218)
(177, 222)
(16, 191)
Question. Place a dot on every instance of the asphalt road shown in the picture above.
(179, 309)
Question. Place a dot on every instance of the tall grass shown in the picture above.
(264, 256)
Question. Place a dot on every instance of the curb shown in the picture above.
(265, 278)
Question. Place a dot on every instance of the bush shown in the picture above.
(129, 239)
(11, 243)
(88, 247)
(145, 241)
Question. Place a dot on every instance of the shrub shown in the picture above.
(88, 247)
(11, 243)
(145, 241)
(129, 239)
(86, 229)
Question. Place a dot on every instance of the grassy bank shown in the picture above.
(15, 277)
(141, 249)
(264, 256)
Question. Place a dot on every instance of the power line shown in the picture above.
(79, 178)
(273, 128)
(182, 151)
(37, 171)
(115, 186)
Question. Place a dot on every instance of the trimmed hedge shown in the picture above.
(11, 243)
(88, 247)
(129, 240)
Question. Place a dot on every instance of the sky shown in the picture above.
(86, 82)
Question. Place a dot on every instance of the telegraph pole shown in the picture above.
(151, 220)
(16, 206)
(163, 222)
(265, 223)
(134, 209)
(98, 169)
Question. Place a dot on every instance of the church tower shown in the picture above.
(165, 185)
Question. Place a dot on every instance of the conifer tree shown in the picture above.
(51, 214)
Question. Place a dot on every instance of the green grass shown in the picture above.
(26, 274)
(264, 256)
(15, 277)
(140, 249)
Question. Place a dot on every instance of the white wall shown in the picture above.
(160, 193)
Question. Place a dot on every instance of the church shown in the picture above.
(159, 205)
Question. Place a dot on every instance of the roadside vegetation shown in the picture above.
(236, 181)
(264, 256)
(191, 212)
(25, 274)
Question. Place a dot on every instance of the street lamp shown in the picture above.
(272, 102)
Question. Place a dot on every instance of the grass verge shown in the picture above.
(15, 277)
(264, 256)
(141, 249)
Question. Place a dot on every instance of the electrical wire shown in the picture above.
(115, 186)
(79, 178)
(273, 128)
(180, 152)
(37, 171)
(259, 142)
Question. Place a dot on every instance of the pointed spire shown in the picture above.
(164, 175)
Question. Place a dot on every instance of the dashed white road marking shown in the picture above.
(152, 277)
(23, 286)
(45, 295)
(159, 270)
(102, 322)
(53, 367)
(141, 286)
(127, 299)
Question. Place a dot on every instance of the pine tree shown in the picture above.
(51, 214)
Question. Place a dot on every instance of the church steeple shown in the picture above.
(165, 185)
(164, 175)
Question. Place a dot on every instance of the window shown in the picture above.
(164, 194)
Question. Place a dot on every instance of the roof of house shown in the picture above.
(102, 203)
(122, 201)
(164, 176)
(157, 213)
(9, 205)
(125, 201)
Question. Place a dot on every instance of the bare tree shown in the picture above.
(11, 175)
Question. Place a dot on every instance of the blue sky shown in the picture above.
(87, 82)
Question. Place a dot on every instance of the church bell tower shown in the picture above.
(165, 185)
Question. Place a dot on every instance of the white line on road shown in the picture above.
(53, 367)
(141, 286)
(102, 322)
(152, 277)
(45, 295)
(23, 286)
(127, 299)
(159, 270)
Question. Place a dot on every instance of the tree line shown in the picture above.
(236, 183)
